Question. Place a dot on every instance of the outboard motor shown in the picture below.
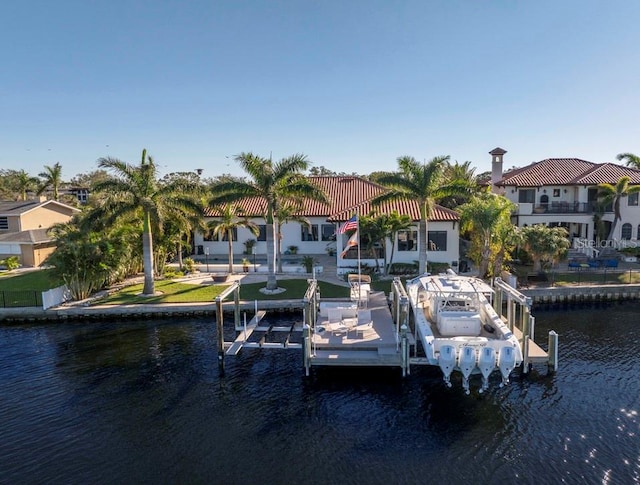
(487, 364)
(447, 361)
(506, 363)
(466, 363)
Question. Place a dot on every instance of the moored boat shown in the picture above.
(459, 328)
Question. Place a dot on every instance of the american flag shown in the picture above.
(350, 224)
(353, 241)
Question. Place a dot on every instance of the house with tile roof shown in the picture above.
(563, 192)
(24, 225)
(347, 195)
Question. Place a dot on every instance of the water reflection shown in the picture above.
(142, 402)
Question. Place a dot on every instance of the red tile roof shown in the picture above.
(408, 207)
(567, 171)
(345, 193)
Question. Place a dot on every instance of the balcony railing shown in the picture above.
(565, 208)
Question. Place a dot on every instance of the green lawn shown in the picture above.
(175, 292)
(39, 280)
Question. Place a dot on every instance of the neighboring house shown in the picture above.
(563, 192)
(24, 225)
(347, 194)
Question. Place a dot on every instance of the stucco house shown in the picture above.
(24, 225)
(347, 195)
(563, 192)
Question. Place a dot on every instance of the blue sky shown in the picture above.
(352, 84)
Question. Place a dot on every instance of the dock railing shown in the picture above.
(400, 315)
(518, 316)
(311, 304)
(235, 289)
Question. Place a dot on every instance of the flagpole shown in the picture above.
(359, 271)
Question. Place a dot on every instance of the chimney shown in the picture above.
(496, 169)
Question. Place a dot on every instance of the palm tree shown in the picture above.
(613, 194)
(25, 183)
(287, 213)
(461, 179)
(483, 217)
(372, 231)
(52, 179)
(378, 228)
(227, 224)
(136, 192)
(420, 182)
(395, 223)
(274, 183)
(630, 159)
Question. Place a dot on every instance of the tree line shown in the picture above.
(136, 221)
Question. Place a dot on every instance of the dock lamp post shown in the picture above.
(253, 252)
(206, 257)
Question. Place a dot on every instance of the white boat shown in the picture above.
(459, 329)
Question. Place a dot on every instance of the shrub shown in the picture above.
(10, 263)
(188, 265)
(403, 268)
(308, 262)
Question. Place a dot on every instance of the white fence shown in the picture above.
(55, 296)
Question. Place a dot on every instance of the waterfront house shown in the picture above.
(563, 192)
(347, 195)
(24, 225)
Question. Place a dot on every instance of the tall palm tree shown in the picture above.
(274, 183)
(613, 194)
(287, 213)
(483, 217)
(229, 222)
(395, 223)
(52, 179)
(373, 231)
(25, 183)
(136, 192)
(420, 182)
(630, 159)
(461, 179)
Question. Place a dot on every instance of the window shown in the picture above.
(407, 240)
(638, 234)
(527, 196)
(437, 241)
(556, 192)
(309, 233)
(262, 235)
(632, 199)
(626, 231)
(4, 223)
(328, 232)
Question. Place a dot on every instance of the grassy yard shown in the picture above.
(39, 280)
(175, 292)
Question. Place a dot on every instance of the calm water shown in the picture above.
(141, 402)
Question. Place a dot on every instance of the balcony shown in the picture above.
(558, 208)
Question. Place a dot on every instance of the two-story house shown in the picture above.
(347, 195)
(24, 225)
(563, 192)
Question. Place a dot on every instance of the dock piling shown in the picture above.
(553, 351)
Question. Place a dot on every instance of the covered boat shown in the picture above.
(459, 329)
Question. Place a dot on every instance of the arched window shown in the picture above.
(626, 231)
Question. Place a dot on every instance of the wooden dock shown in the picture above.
(374, 346)
(383, 340)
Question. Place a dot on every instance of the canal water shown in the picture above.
(141, 402)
